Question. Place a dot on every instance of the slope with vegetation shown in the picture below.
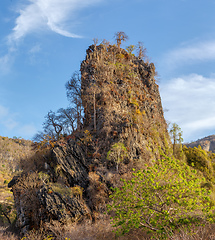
(113, 129)
(12, 151)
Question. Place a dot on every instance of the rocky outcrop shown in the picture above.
(37, 203)
(207, 143)
(72, 162)
(122, 103)
(123, 113)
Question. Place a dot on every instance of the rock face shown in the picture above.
(207, 143)
(36, 202)
(72, 161)
(123, 113)
(122, 102)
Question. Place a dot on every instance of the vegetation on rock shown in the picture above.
(114, 123)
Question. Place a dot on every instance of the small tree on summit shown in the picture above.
(141, 50)
(120, 36)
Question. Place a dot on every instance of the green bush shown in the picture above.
(201, 160)
(161, 199)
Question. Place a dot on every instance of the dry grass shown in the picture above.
(102, 230)
(35, 161)
(5, 235)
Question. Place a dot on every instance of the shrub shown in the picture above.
(118, 152)
(161, 198)
(200, 160)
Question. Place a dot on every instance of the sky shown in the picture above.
(42, 43)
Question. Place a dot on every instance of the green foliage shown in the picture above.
(176, 135)
(201, 160)
(130, 49)
(161, 199)
(117, 153)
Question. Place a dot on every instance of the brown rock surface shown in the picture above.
(122, 106)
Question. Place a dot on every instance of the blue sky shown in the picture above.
(42, 43)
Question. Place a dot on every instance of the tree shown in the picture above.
(176, 135)
(68, 119)
(73, 88)
(120, 36)
(117, 153)
(61, 122)
(65, 120)
(161, 199)
(130, 48)
(52, 124)
(141, 50)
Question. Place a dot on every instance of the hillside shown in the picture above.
(207, 143)
(123, 127)
(120, 146)
(11, 153)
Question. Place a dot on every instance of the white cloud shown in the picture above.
(35, 49)
(190, 101)
(27, 131)
(3, 112)
(43, 15)
(48, 14)
(6, 61)
(192, 53)
(7, 119)
(10, 125)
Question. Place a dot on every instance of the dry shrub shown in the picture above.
(98, 193)
(197, 233)
(5, 235)
(25, 191)
(66, 191)
(102, 229)
(36, 162)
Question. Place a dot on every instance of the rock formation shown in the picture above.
(207, 143)
(123, 113)
(122, 102)
(36, 203)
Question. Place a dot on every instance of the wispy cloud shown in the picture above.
(41, 16)
(190, 101)
(10, 124)
(27, 131)
(3, 112)
(6, 61)
(7, 119)
(48, 14)
(35, 49)
(190, 53)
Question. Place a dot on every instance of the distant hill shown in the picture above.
(12, 150)
(207, 143)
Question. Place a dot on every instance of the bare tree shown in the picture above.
(141, 50)
(120, 36)
(52, 124)
(67, 117)
(73, 88)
